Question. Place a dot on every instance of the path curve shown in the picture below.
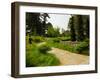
(68, 58)
(42, 43)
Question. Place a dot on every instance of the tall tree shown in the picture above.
(44, 17)
(50, 32)
(57, 32)
(36, 23)
(86, 25)
(79, 27)
(78, 22)
(33, 22)
(72, 29)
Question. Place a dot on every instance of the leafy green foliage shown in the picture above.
(65, 33)
(79, 27)
(50, 32)
(76, 47)
(60, 45)
(56, 40)
(65, 38)
(72, 29)
(44, 48)
(38, 39)
(83, 47)
(53, 32)
(36, 23)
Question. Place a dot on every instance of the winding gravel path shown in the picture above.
(68, 58)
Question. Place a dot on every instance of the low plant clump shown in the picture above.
(44, 48)
(38, 39)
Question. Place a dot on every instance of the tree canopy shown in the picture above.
(79, 27)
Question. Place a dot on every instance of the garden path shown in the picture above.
(39, 44)
(69, 58)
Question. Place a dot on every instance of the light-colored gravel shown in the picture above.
(68, 58)
(42, 43)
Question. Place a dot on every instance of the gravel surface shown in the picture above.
(69, 58)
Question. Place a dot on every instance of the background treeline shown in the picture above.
(79, 27)
(38, 25)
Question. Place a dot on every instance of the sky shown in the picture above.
(59, 20)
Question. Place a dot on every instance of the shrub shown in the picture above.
(83, 46)
(56, 40)
(65, 38)
(86, 40)
(44, 48)
(38, 39)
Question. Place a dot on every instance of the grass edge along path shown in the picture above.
(35, 58)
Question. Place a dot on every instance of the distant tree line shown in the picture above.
(79, 27)
(37, 24)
